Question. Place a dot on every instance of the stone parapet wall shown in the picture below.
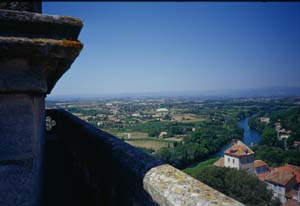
(100, 169)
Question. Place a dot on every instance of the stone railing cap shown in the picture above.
(171, 187)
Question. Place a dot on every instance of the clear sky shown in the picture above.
(176, 46)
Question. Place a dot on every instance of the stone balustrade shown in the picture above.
(97, 168)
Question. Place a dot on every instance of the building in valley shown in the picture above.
(283, 181)
(281, 132)
(265, 120)
(260, 167)
(239, 156)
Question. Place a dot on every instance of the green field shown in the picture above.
(150, 143)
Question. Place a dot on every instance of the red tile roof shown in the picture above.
(239, 149)
(219, 162)
(259, 163)
(279, 177)
(293, 169)
(262, 176)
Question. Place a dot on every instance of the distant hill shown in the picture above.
(226, 93)
(257, 92)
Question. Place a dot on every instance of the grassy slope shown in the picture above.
(191, 170)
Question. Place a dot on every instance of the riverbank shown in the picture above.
(250, 137)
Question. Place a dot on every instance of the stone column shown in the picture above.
(35, 51)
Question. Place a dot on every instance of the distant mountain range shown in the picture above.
(226, 93)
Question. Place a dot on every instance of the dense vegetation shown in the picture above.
(215, 125)
(211, 135)
(206, 140)
(237, 184)
(205, 137)
(278, 152)
(91, 112)
(275, 156)
(289, 117)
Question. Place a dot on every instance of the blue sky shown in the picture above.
(178, 46)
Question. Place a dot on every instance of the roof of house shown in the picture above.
(291, 202)
(262, 176)
(279, 177)
(239, 149)
(293, 169)
(219, 162)
(259, 163)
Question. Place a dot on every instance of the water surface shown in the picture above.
(250, 136)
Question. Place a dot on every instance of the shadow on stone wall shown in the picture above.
(86, 166)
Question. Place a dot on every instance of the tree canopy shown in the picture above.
(238, 184)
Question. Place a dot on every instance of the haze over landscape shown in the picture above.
(156, 103)
(142, 47)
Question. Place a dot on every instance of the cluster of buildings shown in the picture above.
(284, 181)
(281, 132)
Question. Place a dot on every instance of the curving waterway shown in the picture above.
(250, 137)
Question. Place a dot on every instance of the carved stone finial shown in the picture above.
(33, 6)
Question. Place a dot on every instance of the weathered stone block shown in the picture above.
(17, 186)
(171, 187)
(21, 150)
(34, 6)
(19, 74)
(20, 118)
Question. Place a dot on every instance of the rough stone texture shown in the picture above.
(34, 6)
(21, 136)
(169, 187)
(100, 169)
(18, 74)
(35, 51)
(34, 25)
(16, 186)
(46, 45)
(19, 119)
(41, 63)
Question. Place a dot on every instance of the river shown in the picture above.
(250, 137)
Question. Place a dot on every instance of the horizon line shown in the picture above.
(188, 92)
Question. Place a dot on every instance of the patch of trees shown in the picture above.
(290, 120)
(269, 138)
(88, 112)
(255, 124)
(238, 184)
(276, 156)
(205, 141)
(288, 117)
(278, 152)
